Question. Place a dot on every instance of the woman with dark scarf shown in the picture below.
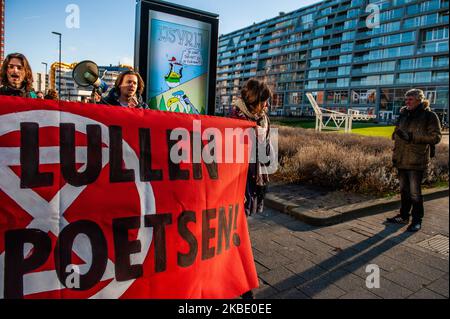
(252, 106)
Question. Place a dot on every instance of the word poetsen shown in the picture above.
(17, 265)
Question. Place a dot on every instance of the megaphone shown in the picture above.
(86, 73)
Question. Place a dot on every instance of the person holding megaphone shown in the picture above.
(86, 74)
(127, 91)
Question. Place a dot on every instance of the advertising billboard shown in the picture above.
(176, 54)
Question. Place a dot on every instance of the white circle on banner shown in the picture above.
(37, 207)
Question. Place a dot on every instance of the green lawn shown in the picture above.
(367, 129)
(381, 131)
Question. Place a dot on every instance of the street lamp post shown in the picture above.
(59, 80)
(46, 68)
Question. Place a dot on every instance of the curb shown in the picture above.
(345, 213)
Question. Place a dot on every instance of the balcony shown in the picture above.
(325, 5)
(334, 31)
(358, 59)
(329, 63)
(338, 19)
(315, 86)
(332, 41)
(334, 52)
(434, 47)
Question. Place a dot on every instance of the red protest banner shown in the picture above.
(93, 205)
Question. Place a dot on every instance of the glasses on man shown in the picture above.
(13, 66)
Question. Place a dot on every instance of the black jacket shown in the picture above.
(9, 91)
(424, 128)
(113, 99)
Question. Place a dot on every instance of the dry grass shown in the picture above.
(346, 162)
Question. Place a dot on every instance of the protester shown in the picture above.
(16, 77)
(85, 99)
(51, 95)
(96, 96)
(252, 105)
(127, 91)
(40, 95)
(417, 133)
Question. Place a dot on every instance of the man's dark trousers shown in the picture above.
(411, 192)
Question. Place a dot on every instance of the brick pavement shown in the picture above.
(298, 261)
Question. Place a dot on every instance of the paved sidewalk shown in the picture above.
(297, 261)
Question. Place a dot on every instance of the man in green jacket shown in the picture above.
(417, 133)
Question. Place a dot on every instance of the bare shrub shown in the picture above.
(346, 162)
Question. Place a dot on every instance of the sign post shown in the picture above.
(176, 54)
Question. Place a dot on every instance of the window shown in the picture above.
(440, 76)
(364, 96)
(343, 59)
(312, 85)
(320, 31)
(353, 13)
(425, 20)
(313, 74)
(382, 4)
(387, 79)
(315, 63)
(388, 66)
(322, 21)
(432, 47)
(356, 3)
(385, 28)
(425, 62)
(413, 9)
(344, 70)
(347, 47)
(316, 52)
(422, 77)
(371, 80)
(406, 50)
(430, 5)
(390, 53)
(391, 14)
(392, 39)
(343, 82)
(350, 24)
(318, 41)
(408, 64)
(307, 18)
(294, 98)
(348, 35)
(405, 77)
(442, 96)
(441, 61)
(435, 34)
(326, 11)
(337, 97)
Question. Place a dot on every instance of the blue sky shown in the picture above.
(106, 33)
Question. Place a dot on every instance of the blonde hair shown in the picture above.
(419, 95)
